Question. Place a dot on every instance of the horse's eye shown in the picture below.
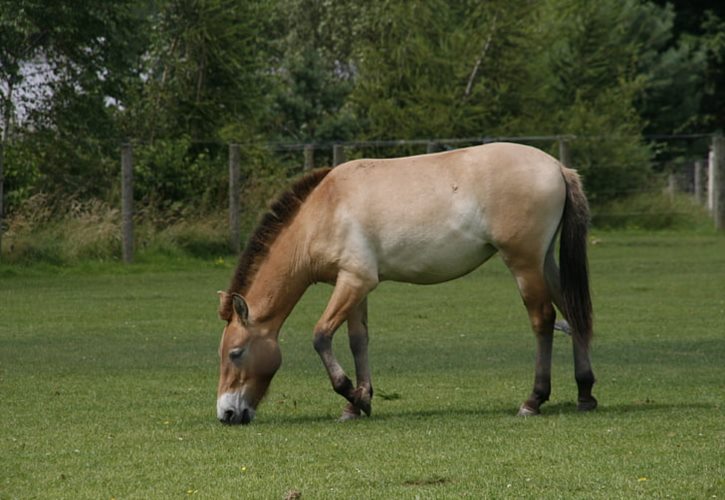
(236, 354)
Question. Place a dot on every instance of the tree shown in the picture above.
(702, 23)
(60, 68)
(314, 67)
(441, 69)
(605, 63)
(203, 70)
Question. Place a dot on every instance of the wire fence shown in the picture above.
(683, 172)
(685, 163)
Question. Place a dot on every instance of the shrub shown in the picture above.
(48, 229)
(652, 211)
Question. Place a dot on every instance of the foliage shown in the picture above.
(162, 184)
(202, 69)
(181, 78)
(315, 70)
(653, 211)
(38, 231)
(440, 69)
(59, 68)
(608, 150)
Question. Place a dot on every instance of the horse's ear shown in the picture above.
(225, 310)
(241, 308)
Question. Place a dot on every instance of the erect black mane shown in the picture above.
(280, 213)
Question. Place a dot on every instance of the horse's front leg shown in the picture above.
(344, 304)
(357, 329)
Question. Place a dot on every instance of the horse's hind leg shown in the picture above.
(582, 364)
(551, 274)
(538, 302)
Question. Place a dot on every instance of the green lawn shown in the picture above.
(108, 377)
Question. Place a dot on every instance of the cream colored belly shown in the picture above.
(434, 262)
(425, 251)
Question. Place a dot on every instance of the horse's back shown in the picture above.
(431, 218)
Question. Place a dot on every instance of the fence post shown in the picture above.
(234, 176)
(698, 187)
(127, 202)
(718, 181)
(338, 154)
(309, 156)
(564, 152)
(671, 185)
(431, 147)
(2, 205)
(710, 179)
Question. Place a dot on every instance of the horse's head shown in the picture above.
(249, 360)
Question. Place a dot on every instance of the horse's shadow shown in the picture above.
(548, 411)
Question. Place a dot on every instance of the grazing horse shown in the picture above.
(422, 219)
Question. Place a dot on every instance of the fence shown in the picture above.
(715, 175)
(704, 177)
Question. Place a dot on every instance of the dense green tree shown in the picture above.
(203, 69)
(702, 23)
(441, 69)
(315, 71)
(61, 69)
(613, 72)
(181, 78)
(204, 81)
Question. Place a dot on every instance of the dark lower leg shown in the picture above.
(584, 378)
(358, 336)
(340, 381)
(542, 321)
(542, 379)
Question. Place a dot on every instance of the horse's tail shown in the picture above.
(573, 266)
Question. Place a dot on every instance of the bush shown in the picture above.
(203, 236)
(47, 229)
(652, 211)
(174, 171)
(65, 230)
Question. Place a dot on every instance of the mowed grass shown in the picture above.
(108, 377)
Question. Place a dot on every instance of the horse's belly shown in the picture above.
(426, 259)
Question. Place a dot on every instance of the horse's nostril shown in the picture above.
(228, 415)
(246, 416)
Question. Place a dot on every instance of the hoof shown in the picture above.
(587, 405)
(351, 412)
(525, 411)
(363, 401)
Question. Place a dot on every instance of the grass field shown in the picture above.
(108, 376)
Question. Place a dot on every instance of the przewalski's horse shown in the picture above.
(423, 219)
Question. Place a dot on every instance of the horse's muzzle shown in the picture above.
(232, 409)
(232, 418)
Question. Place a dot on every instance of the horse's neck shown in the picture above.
(279, 283)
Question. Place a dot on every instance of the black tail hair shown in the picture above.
(573, 264)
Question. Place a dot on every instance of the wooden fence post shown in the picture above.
(309, 156)
(698, 185)
(718, 181)
(2, 205)
(431, 147)
(234, 177)
(338, 154)
(127, 202)
(710, 178)
(671, 185)
(564, 152)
